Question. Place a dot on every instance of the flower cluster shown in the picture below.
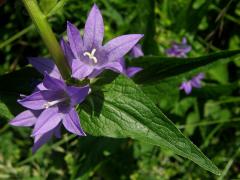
(52, 104)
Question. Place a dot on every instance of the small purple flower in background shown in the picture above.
(89, 58)
(179, 50)
(195, 82)
(135, 53)
(50, 107)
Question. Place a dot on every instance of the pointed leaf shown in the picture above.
(156, 67)
(122, 110)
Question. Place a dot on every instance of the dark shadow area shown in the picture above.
(19, 82)
(104, 157)
(106, 78)
(94, 103)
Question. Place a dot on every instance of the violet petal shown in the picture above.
(96, 72)
(47, 120)
(136, 51)
(57, 130)
(115, 66)
(196, 81)
(118, 47)
(75, 39)
(80, 70)
(37, 100)
(71, 122)
(94, 29)
(187, 87)
(41, 139)
(67, 52)
(184, 40)
(26, 118)
(77, 94)
(40, 87)
(131, 71)
(53, 83)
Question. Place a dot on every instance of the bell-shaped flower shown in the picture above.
(50, 107)
(89, 57)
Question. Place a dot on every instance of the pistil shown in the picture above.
(91, 55)
(52, 103)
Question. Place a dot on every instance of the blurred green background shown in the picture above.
(209, 116)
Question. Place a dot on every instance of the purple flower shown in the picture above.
(194, 82)
(179, 50)
(135, 53)
(49, 108)
(89, 57)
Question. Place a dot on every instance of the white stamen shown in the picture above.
(91, 55)
(52, 103)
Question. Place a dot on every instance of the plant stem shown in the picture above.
(48, 36)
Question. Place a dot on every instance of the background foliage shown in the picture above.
(209, 116)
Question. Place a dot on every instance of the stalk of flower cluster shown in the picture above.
(48, 36)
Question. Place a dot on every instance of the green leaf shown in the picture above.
(156, 68)
(116, 108)
(192, 118)
(4, 111)
(220, 73)
(120, 109)
(165, 93)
